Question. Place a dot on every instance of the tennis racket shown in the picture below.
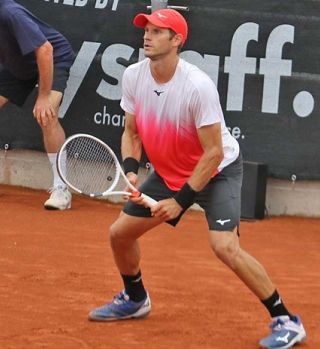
(90, 167)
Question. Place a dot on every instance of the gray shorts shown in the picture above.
(17, 90)
(220, 198)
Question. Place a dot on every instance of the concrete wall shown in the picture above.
(32, 169)
(300, 198)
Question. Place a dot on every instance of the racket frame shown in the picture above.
(119, 172)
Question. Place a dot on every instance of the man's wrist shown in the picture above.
(130, 164)
(185, 196)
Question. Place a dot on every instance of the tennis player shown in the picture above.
(33, 53)
(172, 108)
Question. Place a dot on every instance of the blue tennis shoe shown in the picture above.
(121, 308)
(285, 333)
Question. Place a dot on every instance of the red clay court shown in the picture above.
(57, 266)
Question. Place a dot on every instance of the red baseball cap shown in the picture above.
(164, 18)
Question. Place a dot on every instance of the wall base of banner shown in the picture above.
(28, 168)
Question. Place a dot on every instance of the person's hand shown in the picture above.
(166, 209)
(43, 110)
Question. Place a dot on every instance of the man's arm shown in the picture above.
(130, 141)
(211, 142)
(131, 144)
(44, 56)
(43, 108)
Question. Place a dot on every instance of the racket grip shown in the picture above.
(151, 202)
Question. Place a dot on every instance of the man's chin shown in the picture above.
(151, 56)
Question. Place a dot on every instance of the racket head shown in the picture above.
(88, 165)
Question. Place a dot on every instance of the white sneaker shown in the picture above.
(285, 333)
(60, 199)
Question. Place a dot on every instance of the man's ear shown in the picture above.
(178, 39)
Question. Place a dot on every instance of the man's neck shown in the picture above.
(163, 71)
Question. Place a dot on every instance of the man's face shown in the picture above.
(158, 42)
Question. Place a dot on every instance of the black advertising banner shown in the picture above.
(264, 57)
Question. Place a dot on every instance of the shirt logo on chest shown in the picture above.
(158, 93)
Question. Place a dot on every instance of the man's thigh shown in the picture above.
(56, 98)
(221, 198)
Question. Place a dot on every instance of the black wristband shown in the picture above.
(185, 196)
(130, 165)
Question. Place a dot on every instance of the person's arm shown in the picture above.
(43, 108)
(131, 148)
(130, 141)
(211, 142)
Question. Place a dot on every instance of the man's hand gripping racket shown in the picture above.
(90, 167)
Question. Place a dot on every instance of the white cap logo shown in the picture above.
(160, 15)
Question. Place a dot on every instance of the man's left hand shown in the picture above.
(166, 209)
(43, 110)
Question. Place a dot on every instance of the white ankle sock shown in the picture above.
(57, 181)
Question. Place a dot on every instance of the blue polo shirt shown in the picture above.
(21, 33)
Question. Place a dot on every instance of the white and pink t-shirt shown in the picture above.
(168, 116)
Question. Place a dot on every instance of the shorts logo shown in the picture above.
(222, 222)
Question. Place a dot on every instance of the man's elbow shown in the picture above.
(217, 155)
(220, 156)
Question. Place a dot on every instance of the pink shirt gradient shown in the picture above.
(168, 116)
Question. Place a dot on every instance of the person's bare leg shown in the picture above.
(124, 234)
(134, 301)
(227, 248)
(53, 138)
(53, 133)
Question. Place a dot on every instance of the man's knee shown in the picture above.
(3, 101)
(116, 236)
(51, 125)
(226, 248)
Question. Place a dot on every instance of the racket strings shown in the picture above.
(90, 166)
